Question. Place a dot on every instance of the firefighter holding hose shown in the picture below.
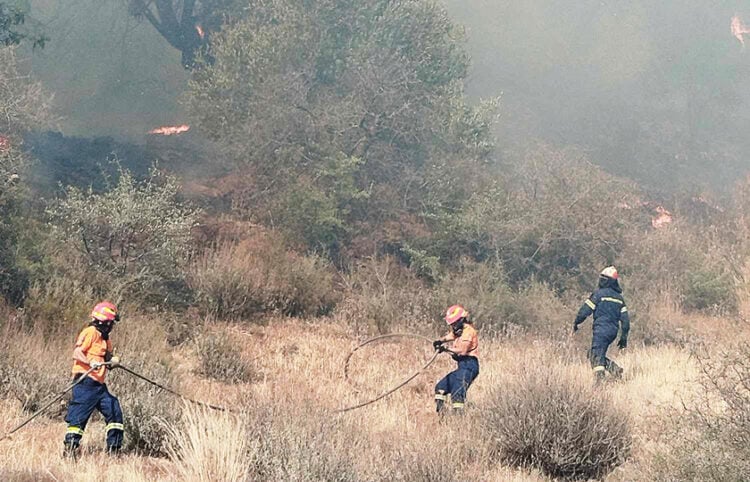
(92, 358)
(464, 350)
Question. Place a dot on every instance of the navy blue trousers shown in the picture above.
(598, 354)
(90, 395)
(457, 382)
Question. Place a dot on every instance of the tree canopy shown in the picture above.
(346, 121)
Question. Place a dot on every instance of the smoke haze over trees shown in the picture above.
(654, 91)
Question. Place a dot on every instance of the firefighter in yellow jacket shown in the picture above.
(465, 351)
(93, 349)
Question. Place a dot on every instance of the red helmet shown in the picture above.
(105, 311)
(455, 313)
(610, 272)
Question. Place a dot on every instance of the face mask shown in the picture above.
(458, 328)
(103, 328)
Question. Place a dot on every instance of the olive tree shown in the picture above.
(132, 239)
(341, 117)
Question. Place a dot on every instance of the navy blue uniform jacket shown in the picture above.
(609, 310)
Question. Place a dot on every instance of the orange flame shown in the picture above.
(738, 29)
(201, 32)
(4, 143)
(170, 130)
(663, 217)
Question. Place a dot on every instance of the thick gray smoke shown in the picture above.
(656, 91)
(111, 74)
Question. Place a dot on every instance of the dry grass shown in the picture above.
(208, 446)
(291, 434)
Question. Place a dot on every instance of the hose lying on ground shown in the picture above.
(169, 390)
(397, 387)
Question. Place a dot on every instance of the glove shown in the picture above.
(437, 344)
(114, 362)
(622, 344)
(95, 365)
(441, 348)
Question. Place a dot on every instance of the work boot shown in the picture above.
(440, 398)
(599, 374)
(71, 451)
(615, 370)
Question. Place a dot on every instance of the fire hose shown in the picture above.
(86, 374)
(397, 387)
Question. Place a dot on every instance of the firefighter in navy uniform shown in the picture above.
(93, 349)
(610, 314)
(464, 351)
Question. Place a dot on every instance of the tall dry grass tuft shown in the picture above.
(208, 446)
(298, 443)
(31, 372)
(222, 360)
(255, 276)
(546, 417)
(141, 343)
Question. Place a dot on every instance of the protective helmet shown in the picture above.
(105, 311)
(610, 272)
(455, 313)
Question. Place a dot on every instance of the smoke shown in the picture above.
(654, 91)
(112, 75)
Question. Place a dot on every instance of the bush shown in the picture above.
(148, 410)
(537, 220)
(483, 289)
(712, 439)
(545, 418)
(57, 305)
(222, 360)
(32, 374)
(298, 446)
(133, 238)
(689, 264)
(380, 293)
(259, 275)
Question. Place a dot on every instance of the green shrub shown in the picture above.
(484, 290)
(133, 238)
(259, 275)
(537, 219)
(222, 360)
(707, 289)
(545, 418)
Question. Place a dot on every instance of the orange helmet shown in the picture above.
(105, 311)
(455, 313)
(610, 272)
